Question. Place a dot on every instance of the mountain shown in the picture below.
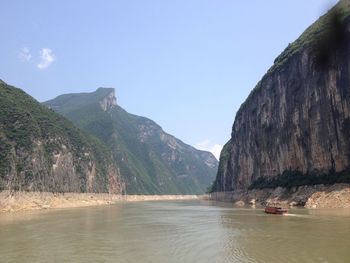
(150, 161)
(294, 128)
(42, 151)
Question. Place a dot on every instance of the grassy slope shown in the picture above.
(140, 163)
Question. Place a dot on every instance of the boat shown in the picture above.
(275, 210)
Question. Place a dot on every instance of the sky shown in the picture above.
(186, 64)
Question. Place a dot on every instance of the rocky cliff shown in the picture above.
(151, 161)
(295, 124)
(109, 101)
(42, 151)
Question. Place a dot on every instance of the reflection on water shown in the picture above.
(193, 231)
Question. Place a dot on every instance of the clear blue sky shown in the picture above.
(186, 64)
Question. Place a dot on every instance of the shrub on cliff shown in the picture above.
(289, 179)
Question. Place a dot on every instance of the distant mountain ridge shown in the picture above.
(150, 161)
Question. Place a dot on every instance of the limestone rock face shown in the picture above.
(298, 116)
(42, 151)
(109, 101)
(59, 171)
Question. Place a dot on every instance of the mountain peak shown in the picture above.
(150, 160)
(105, 90)
(109, 100)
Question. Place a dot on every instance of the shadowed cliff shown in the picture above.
(294, 128)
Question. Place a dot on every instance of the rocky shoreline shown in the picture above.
(24, 201)
(317, 196)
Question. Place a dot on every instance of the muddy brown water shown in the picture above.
(174, 231)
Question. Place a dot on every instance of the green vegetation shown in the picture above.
(150, 161)
(30, 136)
(317, 33)
(289, 179)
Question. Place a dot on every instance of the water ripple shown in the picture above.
(174, 232)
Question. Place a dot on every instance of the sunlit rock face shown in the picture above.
(297, 118)
(42, 151)
(109, 101)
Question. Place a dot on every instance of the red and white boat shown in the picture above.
(275, 210)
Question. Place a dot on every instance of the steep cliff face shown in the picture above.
(297, 119)
(42, 151)
(150, 160)
(109, 101)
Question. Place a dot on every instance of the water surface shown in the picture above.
(181, 231)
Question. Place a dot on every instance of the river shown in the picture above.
(174, 231)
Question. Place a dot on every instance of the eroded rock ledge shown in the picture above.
(318, 196)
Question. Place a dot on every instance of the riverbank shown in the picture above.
(24, 201)
(317, 196)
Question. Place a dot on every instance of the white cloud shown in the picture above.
(203, 144)
(216, 150)
(207, 145)
(24, 55)
(47, 57)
